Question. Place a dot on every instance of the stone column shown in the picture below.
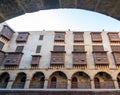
(10, 83)
(92, 84)
(69, 84)
(46, 84)
(116, 84)
(27, 83)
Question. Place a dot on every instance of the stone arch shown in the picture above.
(4, 79)
(22, 7)
(57, 79)
(82, 80)
(103, 80)
(20, 80)
(37, 80)
(47, 75)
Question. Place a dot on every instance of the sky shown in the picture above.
(64, 19)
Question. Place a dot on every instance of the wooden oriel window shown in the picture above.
(98, 48)
(7, 32)
(100, 57)
(115, 47)
(96, 36)
(78, 36)
(19, 49)
(116, 56)
(2, 56)
(41, 37)
(59, 48)
(57, 58)
(38, 49)
(77, 48)
(1, 45)
(59, 37)
(12, 59)
(58, 55)
(79, 58)
(35, 60)
(22, 37)
(114, 37)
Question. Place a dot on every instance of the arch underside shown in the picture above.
(12, 8)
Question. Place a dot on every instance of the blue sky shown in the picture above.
(64, 19)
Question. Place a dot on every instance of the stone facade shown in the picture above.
(16, 70)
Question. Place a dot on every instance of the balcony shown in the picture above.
(105, 85)
(37, 85)
(18, 85)
(81, 85)
(3, 85)
(58, 85)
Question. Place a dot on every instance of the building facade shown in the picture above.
(59, 60)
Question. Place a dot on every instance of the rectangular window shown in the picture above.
(77, 48)
(100, 57)
(115, 48)
(38, 49)
(114, 37)
(12, 59)
(41, 37)
(19, 49)
(1, 45)
(78, 36)
(57, 58)
(96, 36)
(7, 32)
(79, 58)
(59, 36)
(59, 48)
(116, 56)
(22, 37)
(98, 48)
(35, 60)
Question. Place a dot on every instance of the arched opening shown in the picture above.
(74, 83)
(118, 80)
(4, 78)
(37, 80)
(80, 80)
(97, 83)
(53, 82)
(57, 80)
(103, 80)
(19, 81)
